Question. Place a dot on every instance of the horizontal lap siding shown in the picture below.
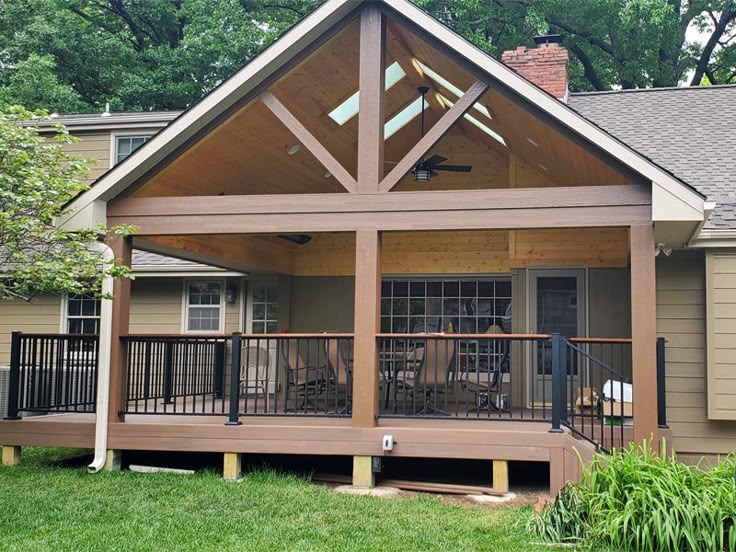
(156, 305)
(94, 146)
(681, 319)
(721, 294)
(42, 315)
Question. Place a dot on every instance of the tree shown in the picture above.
(37, 179)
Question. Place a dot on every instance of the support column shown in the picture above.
(363, 471)
(231, 466)
(643, 332)
(501, 476)
(122, 248)
(11, 455)
(113, 460)
(367, 324)
(371, 115)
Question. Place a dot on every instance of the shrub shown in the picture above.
(637, 499)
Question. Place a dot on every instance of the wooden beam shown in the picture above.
(643, 332)
(363, 471)
(113, 460)
(371, 115)
(231, 466)
(310, 142)
(11, 455)
(122, 248)
(434, 135)
(501, 476)
(367, 325)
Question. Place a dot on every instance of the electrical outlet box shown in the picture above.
(388, 443)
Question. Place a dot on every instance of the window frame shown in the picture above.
(132, 133)
(64, 318)
(249, 302)
(185, 305)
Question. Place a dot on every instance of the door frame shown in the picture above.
(531, 315)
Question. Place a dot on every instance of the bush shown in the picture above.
(637, 499)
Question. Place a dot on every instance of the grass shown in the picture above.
(52, 508)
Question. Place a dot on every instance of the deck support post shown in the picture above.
(231, 466)
(501, 476)
(113, 460)
(11, 455)
(363, 471)
(122, 248)
(644, 333)
(367, 324)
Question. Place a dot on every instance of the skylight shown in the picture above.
(349, 108)
(447, 85)
(403, 118)
(497, 137)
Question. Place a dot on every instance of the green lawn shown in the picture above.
(52, 508)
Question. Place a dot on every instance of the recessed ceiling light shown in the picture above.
(545, 169)
(532, 142)
(293, 150)
(328, 175)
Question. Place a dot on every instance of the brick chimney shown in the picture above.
(545, 65)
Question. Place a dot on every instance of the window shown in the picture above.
(204, 306)
(82, 314)
(264, 307)
(470, 306)
(125, 145)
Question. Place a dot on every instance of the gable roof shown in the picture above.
(690, 131)
(678, 201)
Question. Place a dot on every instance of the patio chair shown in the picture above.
(254, 374)
(485, 383)
(340, 366)
(303, 379)
(431, 378)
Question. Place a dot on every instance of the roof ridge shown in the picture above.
(653, 89)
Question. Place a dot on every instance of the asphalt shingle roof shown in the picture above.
(690, 132)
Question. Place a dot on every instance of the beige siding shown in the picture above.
(42, 315)
(681, 315)
(721, 334)
(156, 305)
(95, 146)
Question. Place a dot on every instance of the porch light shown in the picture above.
(231, 293)
(422, 174)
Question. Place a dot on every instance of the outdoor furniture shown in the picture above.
(431, 378)
(303, 380)
(254, 373)
(340, 366)
(486, 383)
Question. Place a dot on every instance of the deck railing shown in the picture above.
(291, 374)
(52, 373)
(175, 374)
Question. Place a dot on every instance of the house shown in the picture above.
(423, 252)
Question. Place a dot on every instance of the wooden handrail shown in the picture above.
(463, 336)
(601, 340)
(321, 335)
(176, 336)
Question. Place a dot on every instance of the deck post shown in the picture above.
(113, 460)
(661, 385)
(558, 383)
(11, 455)
(122, 248)
(367, 320)
(363, 471)
(644, 333)
(234, 405)
(501, 476)
(14, 379)
(231, 468)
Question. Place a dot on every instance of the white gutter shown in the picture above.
(103, 365)
(708, 208)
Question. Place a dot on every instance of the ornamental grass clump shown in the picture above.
(637, 499)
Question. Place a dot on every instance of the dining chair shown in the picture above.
(431, 378)
(340, 366)
(255, 370)
(303, 378)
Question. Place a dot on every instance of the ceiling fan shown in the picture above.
(425, 169)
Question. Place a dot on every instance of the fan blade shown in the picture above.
(453, 168)
(435, 160)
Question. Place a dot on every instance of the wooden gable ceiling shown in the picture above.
(249, 152)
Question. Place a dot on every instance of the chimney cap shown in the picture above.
(548, 39)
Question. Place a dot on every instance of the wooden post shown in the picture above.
(643, 332)
(231, 466)
(501, 476)
(556, 470)
(11, 455)
(363, 471)
(372, 81)
(367, 321)
(122, 248)
(113, 460)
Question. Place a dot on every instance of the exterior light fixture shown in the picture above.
(422, 173)
(231, 293)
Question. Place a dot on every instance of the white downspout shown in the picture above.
(103, 365)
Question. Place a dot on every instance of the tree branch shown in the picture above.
(589, 70)
(727, 16)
